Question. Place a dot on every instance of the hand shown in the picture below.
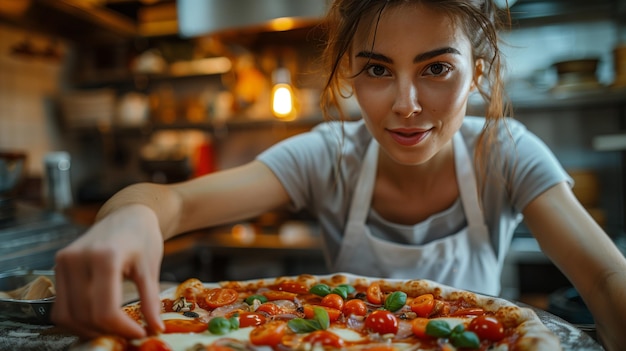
(126, 244)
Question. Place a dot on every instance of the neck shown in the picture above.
(415, 177)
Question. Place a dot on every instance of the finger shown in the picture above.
(107, 297)
(149, 293)
(71, 291)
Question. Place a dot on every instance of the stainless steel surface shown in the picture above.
(31, 238)
(29, 311)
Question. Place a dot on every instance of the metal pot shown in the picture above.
(579, 74)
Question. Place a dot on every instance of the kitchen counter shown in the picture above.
(32, 337)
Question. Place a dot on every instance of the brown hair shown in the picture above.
(480, 20)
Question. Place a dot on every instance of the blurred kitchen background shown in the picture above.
(166, 90)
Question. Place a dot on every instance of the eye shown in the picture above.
(377, 71)
(438, 69)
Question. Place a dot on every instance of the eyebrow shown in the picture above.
(419, 58)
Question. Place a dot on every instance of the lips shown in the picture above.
(408, 137)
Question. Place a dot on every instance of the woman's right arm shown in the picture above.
(126, 242)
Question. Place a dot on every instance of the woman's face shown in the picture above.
(415, 81)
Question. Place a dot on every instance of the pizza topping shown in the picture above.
(423, 305)
(343, 290)
(221, 325)
(320, 290)
(154, 344)
(250, 300)
(375, 294)
(382, 322)
(354, 307)
(220, 296)
(319, 321)
(181, 305)
(184, 326)
(487, 327)
(293, 287)
(268, 334)
(191, 314)
(395, 301)
(458, 336)
(333, 300)
(324, 338)
(248, 319)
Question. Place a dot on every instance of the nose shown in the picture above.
(406, 103)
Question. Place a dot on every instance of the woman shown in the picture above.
(416, 186)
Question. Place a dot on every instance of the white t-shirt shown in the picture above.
(319, 170)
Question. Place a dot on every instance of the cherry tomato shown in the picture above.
(273, 295)
(167, 305)
(423, 305)
(356, 307)
(333, 313)
(324, 338)
(293, 287)
(269, 308)
(487, 327)
(268, 334)
(218, 348)
(154, 344)
(375, 294)
(184, 326)
(220, 296)
(418, 326)
(248, 319)
(382, 322)
(333, 301)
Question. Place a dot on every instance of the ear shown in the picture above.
(478, 73)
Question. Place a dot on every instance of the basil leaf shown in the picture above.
(438, 328)
(395, 301)
(219, 326)
(460, 328)
(320, 290)
(250, 299)
(466, 339)
(341, 291)
(301, 325)
(349, 288)
(321, 316)
(234, 322)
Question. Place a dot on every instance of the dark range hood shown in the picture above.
(203, 17)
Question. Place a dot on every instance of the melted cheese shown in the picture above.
(346, 334)
(184, 341)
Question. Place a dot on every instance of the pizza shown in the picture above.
(333, 312)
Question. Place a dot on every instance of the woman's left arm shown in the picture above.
(586, 255)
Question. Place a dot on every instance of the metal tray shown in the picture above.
(29, 311)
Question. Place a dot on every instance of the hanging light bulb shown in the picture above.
(283, 95)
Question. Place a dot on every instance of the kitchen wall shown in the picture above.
(31, 75)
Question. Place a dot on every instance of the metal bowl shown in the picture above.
(28, 311)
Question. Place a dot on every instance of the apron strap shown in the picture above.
(362, 198)
(467, 182)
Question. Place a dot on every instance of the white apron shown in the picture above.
(464, 260)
